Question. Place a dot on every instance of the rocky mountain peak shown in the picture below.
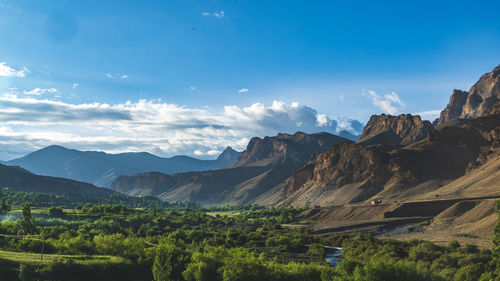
(454, 108)
(388, 129)
(227, 157)
(482, 96)
(285, 148)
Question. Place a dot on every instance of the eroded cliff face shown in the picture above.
(285, 149)
(347, 163)
(454, 108)
(481, 97)
(401, 130)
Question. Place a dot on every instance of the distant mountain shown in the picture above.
(347, 135)
(264, 164)
(101, 169)
(18, 179)
(483, 95)
(396, 130)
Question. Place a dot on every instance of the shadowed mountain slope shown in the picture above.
(18, 179)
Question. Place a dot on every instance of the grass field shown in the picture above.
(35, 210)
(34, 258)
(224, 213)
(289, 225)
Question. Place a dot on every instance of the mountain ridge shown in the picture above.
(101, 169)
(265, 163)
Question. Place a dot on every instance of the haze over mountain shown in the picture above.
(101, 169)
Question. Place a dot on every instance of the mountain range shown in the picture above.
(402, 169)
(101, 169)
(264, 164)
(393, 154)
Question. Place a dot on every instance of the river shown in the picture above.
(334, 256)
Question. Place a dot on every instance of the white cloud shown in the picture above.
(111, 76)
(75, 85)
(389, 103)
(192, 88)
(242, 91)
(7, 71)
(212, 152)
(322, 120)
(351, 125)
(429, 115)
(39, 92)
(32, 122)
(219, 15)
(216, 14)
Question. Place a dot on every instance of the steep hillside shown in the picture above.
(398, 130)
(264, 164)
(18, 179)
(483, 95)
(102, 169)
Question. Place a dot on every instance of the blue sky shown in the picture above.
(338, 60)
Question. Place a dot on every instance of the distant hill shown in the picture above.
(347, 135)
(101, 169)
(264, 164)
(18, 179)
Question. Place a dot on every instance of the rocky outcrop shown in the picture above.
(285, 149)
(399, 130)
(481, 97)
(347, 163)
(454, 108)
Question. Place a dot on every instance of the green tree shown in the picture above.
(206, 266)
(169, 263)
(242, 265)
(3, 206)
(27, 221)
(56, 212)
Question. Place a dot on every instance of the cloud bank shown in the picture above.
(32, 122)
